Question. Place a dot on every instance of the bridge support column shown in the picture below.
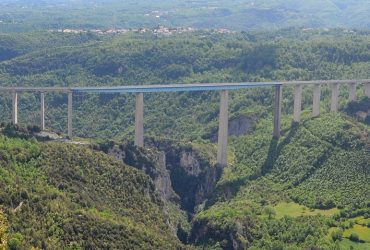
(277, 110)
(352, 92)
(70, 113)
(223, 129)
(297, 103)
(316, 100)
(334, 97)
(139, 120)
(367, 89)
(42, 99)
(15, 108)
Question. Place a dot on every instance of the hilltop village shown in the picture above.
(160, 30)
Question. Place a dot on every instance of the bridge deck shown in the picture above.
(174, 87)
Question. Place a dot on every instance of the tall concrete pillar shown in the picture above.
(352, 92)
(277, 110)
(223, 129)
(139, 120)
(42, 98)
(334, 97)
(316, 100)
(70, 114)
(367, 89)
(15, 108)
(297, 103)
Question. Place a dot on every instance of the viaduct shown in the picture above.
(223, 87)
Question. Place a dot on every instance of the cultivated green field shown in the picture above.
(294, 210)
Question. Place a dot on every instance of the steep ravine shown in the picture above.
(183, 176)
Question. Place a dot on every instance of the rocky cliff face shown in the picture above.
(238, 126)
(163, 181)
(238, 235)
(152, 163)
(360, 110)
(192, 175)
(206, 174)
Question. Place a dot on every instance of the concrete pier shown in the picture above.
(367, 89)
(352, 92)
(334, 97)
(70, 114)
(42, 100)
(277, 110)
(15, 108)
(139, 120)
(316, 100)
(297, 103)
(223, 129)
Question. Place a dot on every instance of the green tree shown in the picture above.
(15, 242)
(354, 237)
(337, 235)
(269, 211)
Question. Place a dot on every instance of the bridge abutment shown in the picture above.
(139, 120)
(223, 129)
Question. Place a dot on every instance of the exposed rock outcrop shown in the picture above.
(360, 110)
(163, 181)
(151, 162)
(190, 163)
(193, 176)
(238, 126)
(238, 235)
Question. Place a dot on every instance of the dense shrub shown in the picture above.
(354, 237)
(337, 235)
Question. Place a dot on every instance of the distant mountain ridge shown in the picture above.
(240, 15)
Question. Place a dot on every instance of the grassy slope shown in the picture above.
(63, 196)
(322, 163)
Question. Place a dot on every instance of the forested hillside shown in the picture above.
(60, 196)
(146, 59)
